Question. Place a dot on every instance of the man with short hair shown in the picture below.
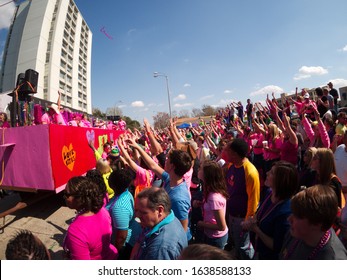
(162, 237)
(334, 94)
(177, 164)
(243, 185)
(249, 111)
(330, 98)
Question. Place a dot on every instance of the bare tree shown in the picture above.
(161, 120)
(183, 113)
(196, 112)
(114, 111)
(208, 110)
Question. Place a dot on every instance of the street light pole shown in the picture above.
(156, 74)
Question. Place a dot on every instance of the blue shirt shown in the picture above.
(163, 242)
(121, 209)
(180, 199)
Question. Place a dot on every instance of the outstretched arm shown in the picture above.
(155, 146)
(59, 99)
(149, 161)
(125, 154)
(292, 135)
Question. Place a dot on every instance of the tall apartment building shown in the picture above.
(52, 38)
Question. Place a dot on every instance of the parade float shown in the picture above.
(42, 158)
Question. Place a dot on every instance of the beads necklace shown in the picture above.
(322, 242)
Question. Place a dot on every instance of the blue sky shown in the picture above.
(212, 51)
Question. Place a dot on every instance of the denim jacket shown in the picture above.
(163, 242)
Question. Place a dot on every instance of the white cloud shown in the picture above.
(137, 104)
(121, 106)
(344, 49)
(207, 97)
(6, 14)
(187, 85)
(227, 91)
(178, 105)
(309, 71)
(267, 90)
(144, 110)
(180, 97)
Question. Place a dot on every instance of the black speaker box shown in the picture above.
(31, 80)
(20, 79)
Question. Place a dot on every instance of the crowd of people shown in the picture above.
(55, 113)
(269, 186)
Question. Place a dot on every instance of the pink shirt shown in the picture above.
(289, 152)
(144, 179)
(89, 238)
(45, 119)
(215, 201)
(122, 124)
(58, 119)
(5, 125)
(259, 137)
(277, 144)
(188, 177)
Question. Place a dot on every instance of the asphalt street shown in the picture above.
(47, 217)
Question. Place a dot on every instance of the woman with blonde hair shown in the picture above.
(103, 166)
(323, 163)
(272, 150)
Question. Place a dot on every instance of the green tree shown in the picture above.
(132, 124)
(97, 113)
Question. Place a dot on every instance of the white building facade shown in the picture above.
(52, 38)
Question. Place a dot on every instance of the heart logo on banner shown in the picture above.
(69, 156)
(90, 136)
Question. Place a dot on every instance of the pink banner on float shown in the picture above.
(45, 157)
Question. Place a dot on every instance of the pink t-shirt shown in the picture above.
(277, 144)
(144, 179)
(144, 176)
(289, 152)
(259, 137)
(89, 238)
(45, 119)
(58, 119)
(122, 124)
(188, 177)
(215, 201)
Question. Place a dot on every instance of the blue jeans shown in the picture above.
(243, 245)
(219, 242)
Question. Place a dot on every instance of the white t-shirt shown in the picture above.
(340, 156)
